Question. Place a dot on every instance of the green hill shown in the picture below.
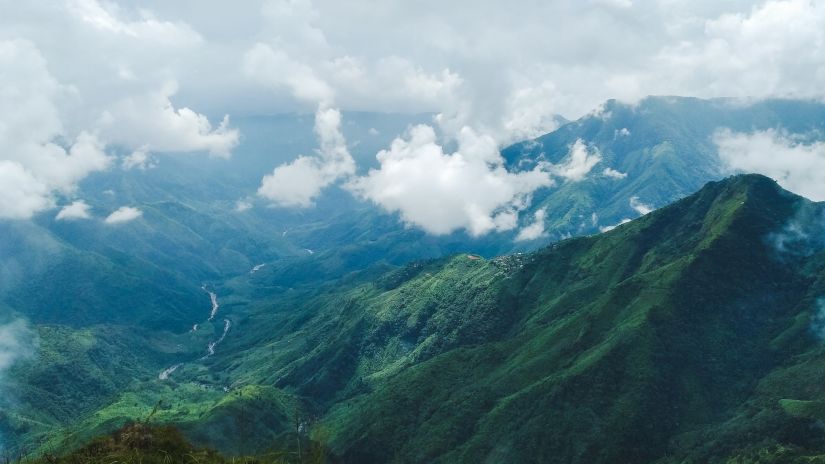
(696, 325)
(688, 335)
(140, 443)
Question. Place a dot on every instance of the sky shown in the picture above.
(80, 77)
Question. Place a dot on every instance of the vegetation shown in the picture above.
(691, 334)
(140, 443)
(684, 336)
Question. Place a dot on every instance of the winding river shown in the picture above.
(215, 305)
(168, 371)
(210, 347)
(257, 268)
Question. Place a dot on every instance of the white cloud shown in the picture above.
(123, 214)
(579, 162)
(531, 112)
(295, 184)
(609, 228)
(277, 69)
(21, 194)
(498, 78)
(138, 159)
(151, 122)
(640, 207)
(534, 230)
(797, 166)
(623, 4)
(76, 210)
(623, 132)
(16, 342)
(51, 124)
(326, 74)
(298, 183)
(614, 174)
(64, 169)
(105, 17)
(443, 58)
(33, 166)
(443, 192)
(242, 205)
(775, 48)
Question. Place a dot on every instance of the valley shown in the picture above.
(501, 336)
(390, 345)
(337, 232)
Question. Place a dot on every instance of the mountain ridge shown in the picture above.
(340, 314)
(622, 346)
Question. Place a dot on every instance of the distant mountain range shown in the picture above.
(690, 334)
(652, 153)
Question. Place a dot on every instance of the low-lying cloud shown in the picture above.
(443, 191)
(640, 207)
(78, 209)
(17, 342)
(614, 174)
(151, 122)
(796, 165)
(34, 168)
(802, 235)
(611, 227)
(138, 159)
(580, 160)
(535, 230)
(21, 193)
(44, 155)
(123, 214)
(298, 183)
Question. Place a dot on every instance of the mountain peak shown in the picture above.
(751, 182)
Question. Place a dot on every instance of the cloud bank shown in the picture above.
(499, 77)
(151, 122)
(17, 342)
(33, 167)
(156, 77)
(796, 165)
(61, 109)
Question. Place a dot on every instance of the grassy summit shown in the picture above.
(138, 443)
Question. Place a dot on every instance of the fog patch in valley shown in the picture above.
(17, 343)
